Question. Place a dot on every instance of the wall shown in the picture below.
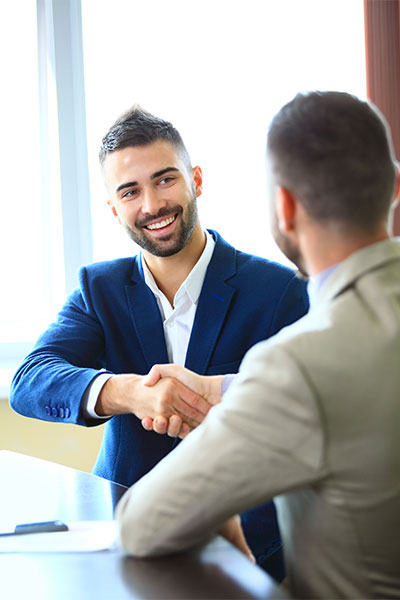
(65, 444)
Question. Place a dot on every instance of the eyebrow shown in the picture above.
(153, 176)
(163, 171)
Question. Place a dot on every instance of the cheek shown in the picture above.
(126, 213)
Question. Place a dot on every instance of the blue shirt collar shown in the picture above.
(315, 283)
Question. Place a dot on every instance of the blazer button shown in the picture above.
(61, 412)
(54, 412)
(67, 413)
(48, 410)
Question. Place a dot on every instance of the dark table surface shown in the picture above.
(36, 490)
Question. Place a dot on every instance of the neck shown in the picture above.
(170, 272)
(325, 248)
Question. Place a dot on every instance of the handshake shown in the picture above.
(168, 400)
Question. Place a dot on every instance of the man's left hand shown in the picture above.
(232, 531)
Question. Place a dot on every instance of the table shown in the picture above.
(36, 490)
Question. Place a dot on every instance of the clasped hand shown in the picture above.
(170, 399)
(208, 389)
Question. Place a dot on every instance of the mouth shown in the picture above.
(163, 224)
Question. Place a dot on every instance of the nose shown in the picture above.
(151, 202)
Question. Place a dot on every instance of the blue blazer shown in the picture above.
(112, 322)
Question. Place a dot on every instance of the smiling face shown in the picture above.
(153, 195)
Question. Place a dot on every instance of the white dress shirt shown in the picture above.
(177, 319)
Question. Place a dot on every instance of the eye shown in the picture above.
(166, 180)
(129, 194)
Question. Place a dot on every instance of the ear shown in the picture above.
(198, 180)
(286, 209)
(113, 210)
(396, 197)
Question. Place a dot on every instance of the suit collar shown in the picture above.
(146, 317)
(214, 303)
(194, 281)
(357, 265)
(224, 259)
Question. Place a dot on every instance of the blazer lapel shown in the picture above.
(214, 302)
(146, 318)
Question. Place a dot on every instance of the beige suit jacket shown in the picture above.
(312, 419)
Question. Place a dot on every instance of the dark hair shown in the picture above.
(137, 127)
(334, 152)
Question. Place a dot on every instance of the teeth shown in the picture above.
(161, 223)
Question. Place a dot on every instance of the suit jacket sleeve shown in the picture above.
(266, 438)
(52, 379)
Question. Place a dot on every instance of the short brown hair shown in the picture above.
(334, 152)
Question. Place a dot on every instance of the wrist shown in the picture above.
(117, 396)
(215, 388)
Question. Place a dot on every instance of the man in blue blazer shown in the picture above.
(188, 298)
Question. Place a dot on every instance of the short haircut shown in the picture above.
(334, 153)
(137, 127)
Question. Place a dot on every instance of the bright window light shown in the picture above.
(26, 227)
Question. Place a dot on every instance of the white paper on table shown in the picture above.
(82, 536)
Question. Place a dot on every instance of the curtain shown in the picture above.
(382, 46)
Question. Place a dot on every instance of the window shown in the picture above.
(218, 70)
(46, 232)
(31, 254)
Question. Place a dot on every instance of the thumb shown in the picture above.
(241, 544)
(152, 376)
(233, 532)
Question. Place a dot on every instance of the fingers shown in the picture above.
(174, 427)
(160, 424)
(167, 397)
(185, 430)
(208, 387)
(188, 378)
(147, 423)
(240, 543)
(176, 399)
(158, 371)
(152, 376)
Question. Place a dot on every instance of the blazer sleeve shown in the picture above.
(52, 380)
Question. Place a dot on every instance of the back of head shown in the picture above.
(137, 127)
(334, 153)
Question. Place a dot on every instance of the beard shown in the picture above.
(289, 248)
(171, 243)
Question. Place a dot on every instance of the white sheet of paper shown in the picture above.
(82, 536)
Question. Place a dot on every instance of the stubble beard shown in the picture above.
(161, 247)
(289, 249)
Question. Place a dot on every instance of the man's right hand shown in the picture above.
(208, 387)
(123, 394)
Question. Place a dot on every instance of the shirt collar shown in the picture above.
(315, 283)
(193, 282)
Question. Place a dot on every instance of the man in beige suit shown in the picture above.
(313, 418)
